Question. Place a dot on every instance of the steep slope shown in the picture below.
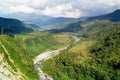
(15, 61)
(88, 60)
(95, 57)
(11, 26)
(114, 16)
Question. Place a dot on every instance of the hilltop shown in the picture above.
(12, 26)
(114, 16)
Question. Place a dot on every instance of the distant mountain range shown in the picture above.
(16, 26)
(77, 26)
(40, 20)
(11, 26)
(114, 16)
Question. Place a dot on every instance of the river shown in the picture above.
(44, 56)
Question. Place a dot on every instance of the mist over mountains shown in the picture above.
(40, 20)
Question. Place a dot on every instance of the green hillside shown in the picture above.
(93, 25)
(95, 57)
(90, 29)
(97, 29)
(88, 60)
(36, 43)
(12, 26)
(17, 57)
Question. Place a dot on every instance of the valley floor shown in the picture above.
(47, 55)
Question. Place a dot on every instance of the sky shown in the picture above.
(60, 8)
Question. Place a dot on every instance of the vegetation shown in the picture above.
(24, 47)
(97, 29)
(88, 60)
(14, 51)
(114, 16)
(73, 27)
(36, 43)
(13, 26)
(95, 57)
(90, 29)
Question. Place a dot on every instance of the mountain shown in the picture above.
(92, 23)
(29, 17)
(40, 20)
(35, 18)
(114, 16)
(54, 21)
(58, 20)
(11, 26)
(88, 60)
(72, 27)
(95, 57)
(15, 61)
(34, 26)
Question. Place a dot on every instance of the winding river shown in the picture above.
(44, 56)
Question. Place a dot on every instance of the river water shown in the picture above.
(44, 56)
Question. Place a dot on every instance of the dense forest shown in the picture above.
(95, 57)
(88, 60)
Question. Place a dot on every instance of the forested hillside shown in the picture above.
(13, 26)
(93, 25)
(88, 60)
(95, 57)
(98, 29)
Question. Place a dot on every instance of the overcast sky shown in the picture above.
(60, 8)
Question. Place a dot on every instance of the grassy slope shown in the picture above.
(36, 43)
(20, 57)
(87, 60)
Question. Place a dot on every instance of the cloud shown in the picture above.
(22, 8)
(97, 7)
(58, 8)
(63, 10)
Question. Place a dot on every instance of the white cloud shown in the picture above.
(97, 7)
(63, 10)
(17, 1)
(74, 14)
(22, 8)
(38, 3)
(66, 8)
